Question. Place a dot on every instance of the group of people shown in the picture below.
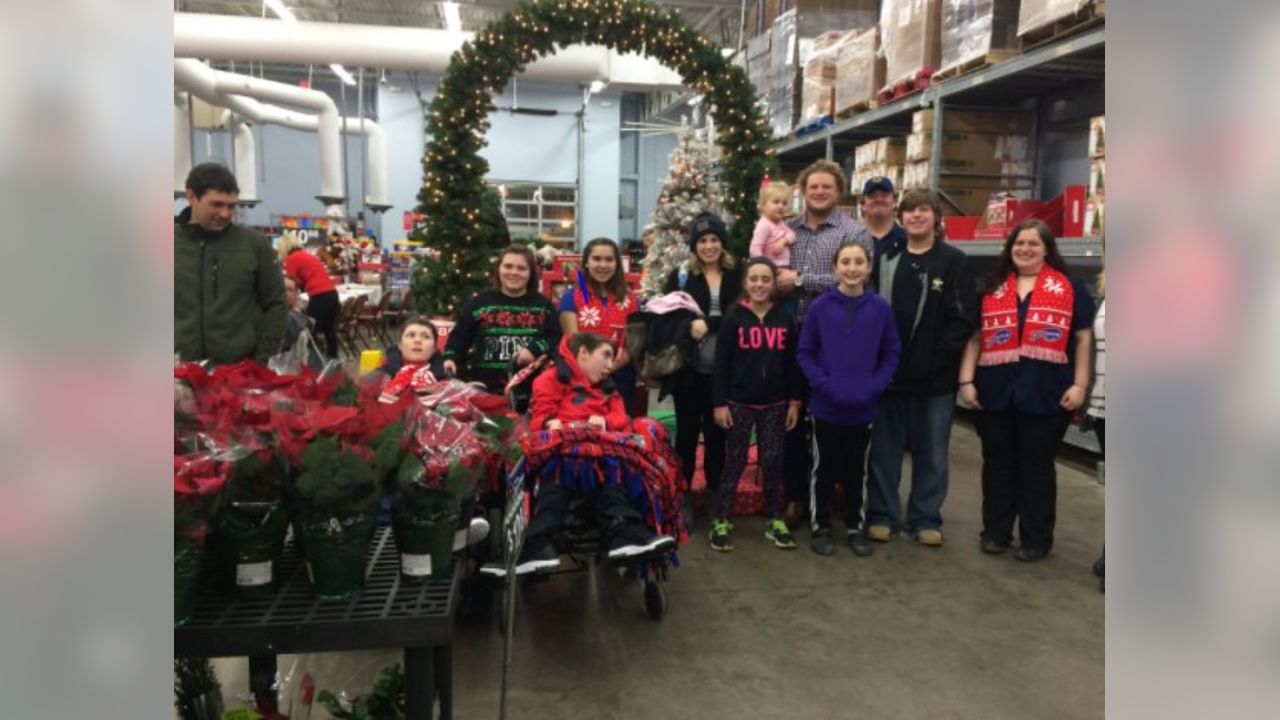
(839, 346)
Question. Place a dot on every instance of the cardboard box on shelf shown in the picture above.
(760, 16)
(859, 70)
(1098, 136)
(883, 151)
(1036, 14)
(759, 62)
(860, 176)
(814, 17)
(973, 29)
(1094, 218)
(1004, 122)
(979, 152)
(911, 38)
(818, 78)
(1097, 178)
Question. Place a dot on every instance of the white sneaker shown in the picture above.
(474, 533)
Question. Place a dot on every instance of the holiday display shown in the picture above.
(464, 225)
(688, 191)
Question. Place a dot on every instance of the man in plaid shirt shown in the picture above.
(820, 231)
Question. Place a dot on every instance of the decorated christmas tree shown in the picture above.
(688, 191)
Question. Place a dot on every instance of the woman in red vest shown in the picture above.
(322, 302)
(1026, 371)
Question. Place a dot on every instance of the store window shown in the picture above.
(548, 212)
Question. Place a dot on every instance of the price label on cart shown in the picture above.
(415, 565)
(253, 574)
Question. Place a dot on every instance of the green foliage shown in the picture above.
(192, 678)
(335, 481)
(241, 714)
(464, 227)
(257, 476)
(384, 702)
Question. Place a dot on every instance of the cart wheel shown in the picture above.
(655, 599)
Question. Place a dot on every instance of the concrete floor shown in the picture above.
(766, 633)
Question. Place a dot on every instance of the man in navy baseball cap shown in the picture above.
(879, 214)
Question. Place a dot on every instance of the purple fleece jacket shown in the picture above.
(849, 351)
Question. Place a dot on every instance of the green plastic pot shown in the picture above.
(188, 557)
(251, 538)
(335, 553)
(423, 531)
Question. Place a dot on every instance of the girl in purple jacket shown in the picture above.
(848, 351)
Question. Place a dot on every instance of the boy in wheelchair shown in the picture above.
(576, 392)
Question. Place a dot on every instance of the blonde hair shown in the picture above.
(771, 191)
(286, 245)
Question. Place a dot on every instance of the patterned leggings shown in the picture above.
(771, 425)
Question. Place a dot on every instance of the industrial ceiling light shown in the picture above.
(596, 86)
(452, 16)
(342, 73)
(282, 12)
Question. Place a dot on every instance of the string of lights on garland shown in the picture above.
(464, 228)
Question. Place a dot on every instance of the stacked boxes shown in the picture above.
(817, 92)
(1036, 14)
(910, 33)
(759, 57)
(971, 29)
(879, 157)
(983, 152)
(783, 72)
(1095, 201)
(859, 70)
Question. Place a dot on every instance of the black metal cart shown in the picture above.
(418, 618)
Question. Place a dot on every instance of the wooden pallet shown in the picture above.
(914, 84)
(1086, 18)
(973, 65)
(856, 108)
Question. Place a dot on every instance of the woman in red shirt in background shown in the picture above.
(322, 303)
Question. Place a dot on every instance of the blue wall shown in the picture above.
(522, 148)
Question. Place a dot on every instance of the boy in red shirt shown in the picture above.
(579, 390)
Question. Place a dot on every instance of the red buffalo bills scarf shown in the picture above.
(417, 377)
(601, 316)
(1047, 327)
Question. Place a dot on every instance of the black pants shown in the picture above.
(551, 507)
(323, 308)
(694, 417)
(1019, 476)
(770, 424)
(841, 455)
(1100, 429)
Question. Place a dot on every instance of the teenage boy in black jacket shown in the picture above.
(929, 286)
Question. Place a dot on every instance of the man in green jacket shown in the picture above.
(228, 288)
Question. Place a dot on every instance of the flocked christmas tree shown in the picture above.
(688, 191)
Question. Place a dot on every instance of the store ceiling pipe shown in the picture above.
(235, 37)
(376, 169)
(181, 142)
(246, 168)
(225, 89)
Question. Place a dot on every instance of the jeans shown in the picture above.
(694, 417)
(840, 452)
(920, 424)
(1019, 475)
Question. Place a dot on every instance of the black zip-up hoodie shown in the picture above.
(756, 359)
(930, 361)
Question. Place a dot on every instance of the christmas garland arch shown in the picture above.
(464, 225)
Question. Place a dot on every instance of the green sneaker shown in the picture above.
(780, 534)
(720, 539)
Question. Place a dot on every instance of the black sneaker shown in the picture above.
(821, 542)
(993, 547)
(720, 539)
(632, 540)
(780, 534)
(1031, 554)
(859, 544)
(538, 555)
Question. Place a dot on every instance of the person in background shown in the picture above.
(296, 329)
(712, 278)
(1026, 370)
(579, 390)
(601, 302)
(314, 280)
(509, 322)
(848, 350)
(228, 289)
(755, 386)
(879, 214)
(820, 230)
(1098, 397)
(928, 285)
